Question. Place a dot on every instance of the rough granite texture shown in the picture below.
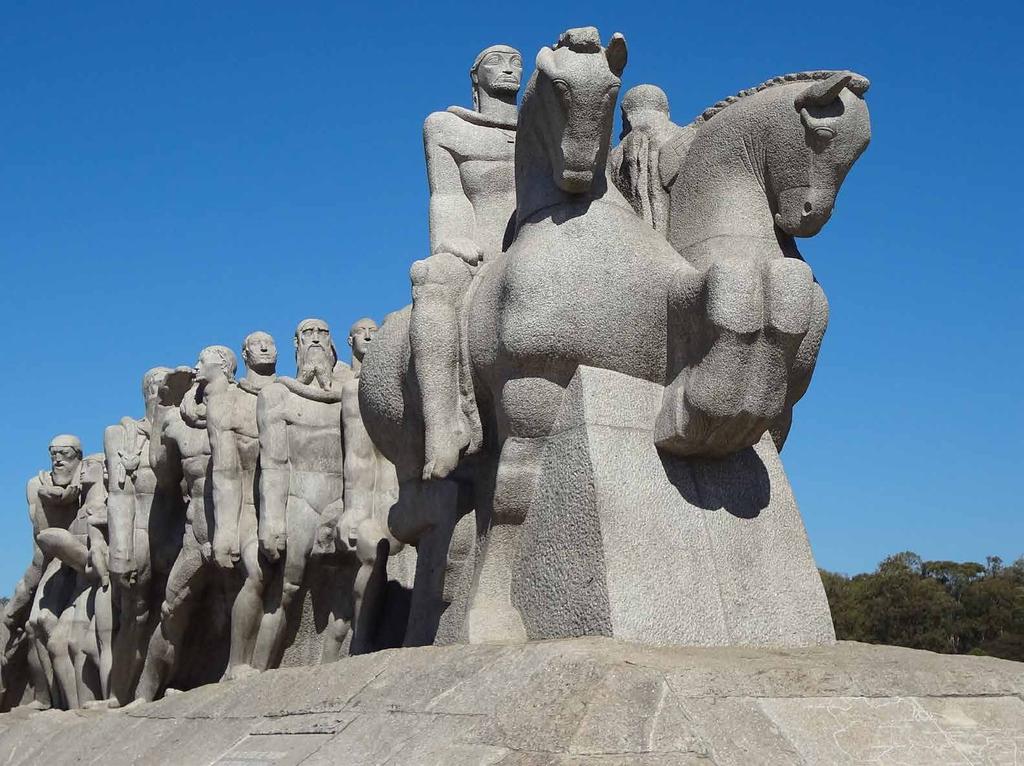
(624, 541)
(573, 701)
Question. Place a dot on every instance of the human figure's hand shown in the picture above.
(272, 541)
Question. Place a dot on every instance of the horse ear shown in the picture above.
(821, 92)
(616, 54)
(546, 61)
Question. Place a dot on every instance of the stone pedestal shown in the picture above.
(627, 542)
(577, 702)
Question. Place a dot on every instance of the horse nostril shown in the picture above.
(807, 207)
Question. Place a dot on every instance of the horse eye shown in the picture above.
(563, 91)
(825, 134)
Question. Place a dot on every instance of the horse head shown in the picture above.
(811, 147)
(573, 94)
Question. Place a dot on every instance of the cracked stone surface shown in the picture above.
(579, 702)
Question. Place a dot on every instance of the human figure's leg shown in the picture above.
(138, 599)
(247, 610)
(438, 285)
(184, 586)
(82, 646)
(40, 672)
(59, 648)
(301, 526)
(103, 632)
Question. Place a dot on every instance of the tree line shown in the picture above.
(942, 606)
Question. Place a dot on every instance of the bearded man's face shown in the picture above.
(65, 462)
(314, 355)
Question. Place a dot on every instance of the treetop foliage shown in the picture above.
(942, 606)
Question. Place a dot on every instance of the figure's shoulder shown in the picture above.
(343, 373)
(272, 394)
(33, 486)
(444, 129)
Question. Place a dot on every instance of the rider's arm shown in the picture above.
(451, 213)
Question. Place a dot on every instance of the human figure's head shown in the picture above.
(151, 383)
(65, 459)
(360, 337)
(498, 72)
(643, 106)
(259, 353)
(216, 362)
(315, 355)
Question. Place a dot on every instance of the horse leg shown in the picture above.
(425, 516)
(528, 409)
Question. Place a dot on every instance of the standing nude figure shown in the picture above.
(180, 451)
(145, 525)
(470, 169)
(234, 441)
(371, 488)
(44, 591)
(302, 484)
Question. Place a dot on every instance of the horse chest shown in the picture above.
(590, 290)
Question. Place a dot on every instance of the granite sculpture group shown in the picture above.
(573, 430)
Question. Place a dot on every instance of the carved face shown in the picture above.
(360, 337)
(260, 352)
(214, 362)
(808, 161)
(151, 383)
(65, 460)
(315, 355)
(500, 71)
(578, 93)
(92, 470)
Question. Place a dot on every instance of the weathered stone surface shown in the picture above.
(577, 701)
(624, 541)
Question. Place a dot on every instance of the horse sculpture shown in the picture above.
(587, 282)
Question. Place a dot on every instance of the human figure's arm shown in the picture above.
(227, 480)
(273, 435)
(17, 610)
(120, 503)
(452, 218)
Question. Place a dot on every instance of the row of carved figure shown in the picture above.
(218, 498)
(670, 258)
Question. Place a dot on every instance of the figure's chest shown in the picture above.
(310, 414)
(476, 142)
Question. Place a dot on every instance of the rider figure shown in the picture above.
(470, 158)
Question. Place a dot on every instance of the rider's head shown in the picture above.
(497, 71)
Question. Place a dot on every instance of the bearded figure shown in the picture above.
(302, 488)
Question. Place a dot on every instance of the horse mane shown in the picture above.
(859, 85)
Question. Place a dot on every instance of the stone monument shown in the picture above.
(572, 435)
(572, 321)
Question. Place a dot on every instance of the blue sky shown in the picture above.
(179, 174)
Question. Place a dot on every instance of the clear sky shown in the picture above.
(179, 174)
